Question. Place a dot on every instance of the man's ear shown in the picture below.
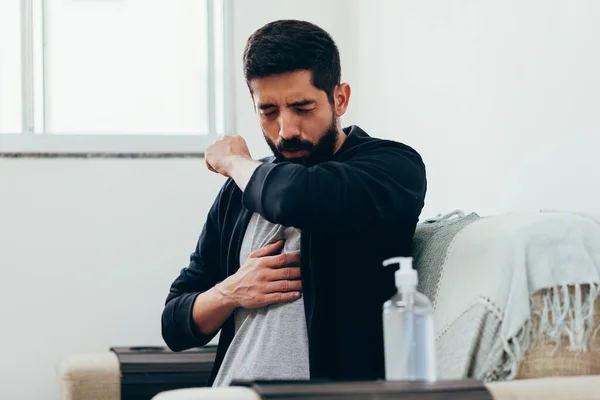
(341, 97)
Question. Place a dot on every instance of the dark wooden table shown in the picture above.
(373, 390)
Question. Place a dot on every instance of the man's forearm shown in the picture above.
(211, 310)
(241, 170)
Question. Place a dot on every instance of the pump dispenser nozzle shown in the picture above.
(406, 275)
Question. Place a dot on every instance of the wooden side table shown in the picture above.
(146, 371)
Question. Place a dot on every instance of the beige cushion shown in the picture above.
(93, 376)
(566, 388)
(208, 393)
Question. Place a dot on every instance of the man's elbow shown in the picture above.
(171, 334)
(178, 329)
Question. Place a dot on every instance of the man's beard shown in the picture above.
(317, 153)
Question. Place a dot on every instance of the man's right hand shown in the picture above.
(267, 277)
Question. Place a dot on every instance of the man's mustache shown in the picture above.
(294, 145)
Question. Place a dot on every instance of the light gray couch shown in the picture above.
(548, 370)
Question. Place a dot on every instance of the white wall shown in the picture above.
(501, 98)
(88, 248)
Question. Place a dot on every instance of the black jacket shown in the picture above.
(353, 211)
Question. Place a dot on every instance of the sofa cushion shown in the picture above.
(90, 376)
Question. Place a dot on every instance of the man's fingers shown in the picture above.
(268, 250)
(281, 274)
(281, 297)
(284, 286)
(210, 168)
(281, 260)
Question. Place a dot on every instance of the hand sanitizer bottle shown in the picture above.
(409, 341)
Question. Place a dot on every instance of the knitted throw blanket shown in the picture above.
(480, 274)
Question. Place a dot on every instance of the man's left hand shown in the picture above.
(220, 156)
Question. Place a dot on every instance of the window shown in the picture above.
(99, 76)
(10, 67)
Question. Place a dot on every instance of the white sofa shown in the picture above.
(549, 369)
(96, 376)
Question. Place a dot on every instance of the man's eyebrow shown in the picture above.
(301, 103)
(265, 106)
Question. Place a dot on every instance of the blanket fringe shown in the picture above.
(562, 315)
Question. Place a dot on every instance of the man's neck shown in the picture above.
(341, 138)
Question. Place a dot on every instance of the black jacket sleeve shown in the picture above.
(381, 184)
(178, 328)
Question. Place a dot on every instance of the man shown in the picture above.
(289, 263)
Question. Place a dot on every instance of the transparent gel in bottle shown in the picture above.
(409, 335)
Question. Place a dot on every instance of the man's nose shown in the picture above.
(289, 126)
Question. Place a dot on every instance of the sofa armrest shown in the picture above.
(92, 376)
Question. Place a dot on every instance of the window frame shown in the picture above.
(33, 140)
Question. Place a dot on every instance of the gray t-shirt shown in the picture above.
(269, 342)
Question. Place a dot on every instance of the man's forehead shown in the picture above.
(283, 88)
(285, 79)
(283, 96)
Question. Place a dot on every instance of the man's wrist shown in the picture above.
(241, 168)
(236, 161)
(224, 296)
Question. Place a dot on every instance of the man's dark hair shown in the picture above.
(291, 45)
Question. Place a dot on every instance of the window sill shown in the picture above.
(103, 146)
(102, 155)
